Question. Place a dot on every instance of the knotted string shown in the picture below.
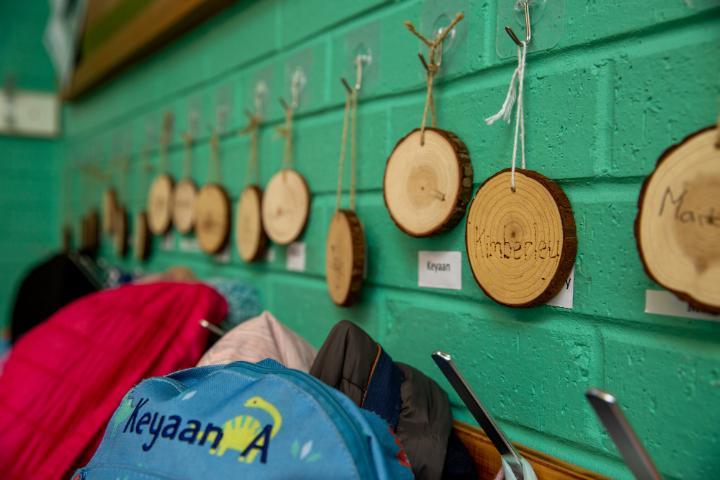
(214, 171)
(253, 129)
(432, 66)
(165, 142)
(187, 156)
(349, 123)
(515, 95)
(286, 131)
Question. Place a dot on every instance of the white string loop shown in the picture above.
(515, 96)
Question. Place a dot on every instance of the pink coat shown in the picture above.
(64, 378)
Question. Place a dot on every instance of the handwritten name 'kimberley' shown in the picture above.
(534, 247)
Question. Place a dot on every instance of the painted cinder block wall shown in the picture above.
(623, 81)
(28, 166)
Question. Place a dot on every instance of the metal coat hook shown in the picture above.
(297, 84)
(497, 437)
(261, 92)
(359, 60)
(528, 29)
(627, 442)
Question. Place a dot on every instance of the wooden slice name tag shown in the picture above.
(184, 197)
(109, 206)
(91, 232)
(285, 206)
(427, 187)
(212, 218)
(159, 205)
(120, 231)
(345, 258)
(141, 236)
(521, 245)
(249, 234)
(678, 224)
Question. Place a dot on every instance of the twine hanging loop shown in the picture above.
(432, 67)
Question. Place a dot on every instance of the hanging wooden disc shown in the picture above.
(285, 206)
(427, 187)
(159, 205)
(212, 218)
(120, 231)
(184, 197)
(109, 206)
(249, 233)
(521, 245)
(141, 236)
(678, 224)
(345, 258)
(91, 229)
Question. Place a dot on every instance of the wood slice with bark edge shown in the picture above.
(537, 198)
(66, 234)
(184, 196)
(345, 258)
(92, 233)
(427, 188)
(212, 218)
(682, 254)
(109, 206)
(159, 204)
(120, 231)
(141, 236)
(250, 235)
(285, 206)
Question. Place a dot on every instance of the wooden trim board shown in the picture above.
(487, 459)
(153, 27)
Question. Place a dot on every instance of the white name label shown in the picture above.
(270, 255)
(564, 299)
(167, 241)
(295, 259)
(662, 302)
(224, 256)
(189, 244)
(440, 270)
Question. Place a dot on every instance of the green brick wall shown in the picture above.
(624, 81)
(28, 167)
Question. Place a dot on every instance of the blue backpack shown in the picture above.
(244, 420)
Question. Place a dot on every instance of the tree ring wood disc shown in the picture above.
(141, 236)
(345, 258)
(120, 231)
(91, 233)
(678, 224)
(249, 234)
(427, 187)
(212, 218)
(109, 206)
(285, 206)
(184, 197)
(159, 205)
(521, 245)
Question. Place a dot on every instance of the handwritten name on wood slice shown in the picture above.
(120, 231)
(159, 205)
(183, 212)
(109, 205)
(427, 187)
(678, 224)
(212, 218)
(345, 258)
(521, 245)
(141, 236)
(285, 206)
(249, 233)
